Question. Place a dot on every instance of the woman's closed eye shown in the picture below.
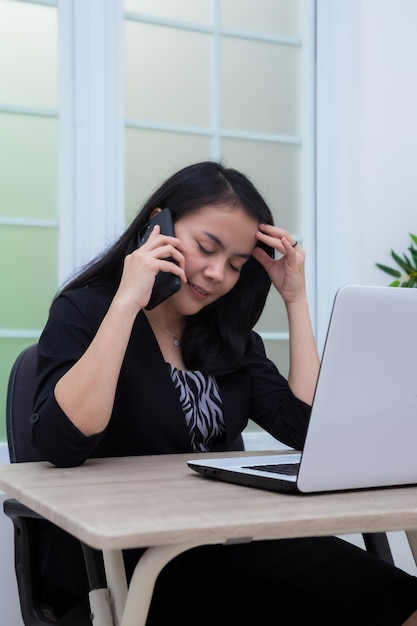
(234, 268)
(204, 250)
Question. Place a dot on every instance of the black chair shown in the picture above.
(29, 526)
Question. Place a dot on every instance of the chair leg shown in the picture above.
(378, 544)
(99, 597)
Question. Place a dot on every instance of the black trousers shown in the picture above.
(286, 582)
(290, 582)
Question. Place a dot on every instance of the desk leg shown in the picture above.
(143, 581)
(101, 608)
(116, 583)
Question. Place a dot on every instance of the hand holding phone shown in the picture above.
(166, 283)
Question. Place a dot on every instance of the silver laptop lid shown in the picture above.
(363, 427)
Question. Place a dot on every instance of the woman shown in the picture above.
(116, 378)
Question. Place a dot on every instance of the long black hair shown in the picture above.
(214, 339)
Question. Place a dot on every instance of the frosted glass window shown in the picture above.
(260, 86)
(167, 74)
(28, 285)
(28, 176)
(276, 169)
(151, 157)
(274, 317)
(28, 59)
(278, 351)
(268, 16)
(180, 10)
(28, 172)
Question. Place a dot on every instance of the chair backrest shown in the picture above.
(19, 407)
(32, 533)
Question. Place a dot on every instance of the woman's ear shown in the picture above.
(155, 212)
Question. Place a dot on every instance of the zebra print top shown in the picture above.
(202, 406)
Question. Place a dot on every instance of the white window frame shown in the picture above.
(91, 150)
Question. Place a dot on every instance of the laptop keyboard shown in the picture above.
(290, 469)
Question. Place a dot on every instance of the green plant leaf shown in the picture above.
(402, 263)
(388, 270)
(407, 263)
(414, 255)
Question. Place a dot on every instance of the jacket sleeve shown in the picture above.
(273, 405)
(71, 326)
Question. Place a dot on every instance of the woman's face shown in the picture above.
(219, 241)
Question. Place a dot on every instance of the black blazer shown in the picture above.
(147, 417)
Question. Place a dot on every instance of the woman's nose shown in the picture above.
(214, 270)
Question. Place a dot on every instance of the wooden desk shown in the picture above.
(157, 501)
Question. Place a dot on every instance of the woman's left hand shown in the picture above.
(288, 276)
(287, 272)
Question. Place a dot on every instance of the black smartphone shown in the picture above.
(166, 283)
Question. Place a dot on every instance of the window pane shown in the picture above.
(28, 59)
(172, 85)
(278, 352)
(28, 172)
(28, 176)
(260, 86)
(27, 287)
(274, 317)
(153, 156)
(181, 10)
(279, 17)
(275, 169)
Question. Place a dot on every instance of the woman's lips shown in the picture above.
(199, 292)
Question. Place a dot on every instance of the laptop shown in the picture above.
(363, 427)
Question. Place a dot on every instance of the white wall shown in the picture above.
(366, 141)
(388, 131)
(9, 600)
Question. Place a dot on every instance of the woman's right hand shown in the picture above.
(86, 392)
(143, 264)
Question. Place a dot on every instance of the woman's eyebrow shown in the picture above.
(221, 244)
